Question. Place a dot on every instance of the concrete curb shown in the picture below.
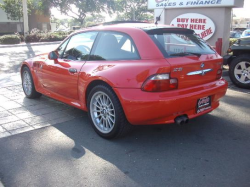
(29, 44)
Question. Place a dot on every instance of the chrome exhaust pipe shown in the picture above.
(185, 119)
(181, 120)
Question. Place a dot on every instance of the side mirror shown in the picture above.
(52, 55)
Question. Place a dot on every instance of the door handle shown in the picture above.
(72, 70)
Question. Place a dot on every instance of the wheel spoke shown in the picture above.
(106, 123)
(111, 114)
(100, 99)
(103, 99)
(27, 83)
(100, 122)
(111, 109)
(96, 110)
(111, 120)
(243, 65)
(109, 123)
(242, 78)
(238, 72)
(96, 105)
(110, 104)
(97, 100)
(98, 115)
(106, 100)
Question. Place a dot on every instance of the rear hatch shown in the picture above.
(193, 62)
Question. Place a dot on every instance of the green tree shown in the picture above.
(14, 8)
(133, 10)
(93, 20)
(79, 9)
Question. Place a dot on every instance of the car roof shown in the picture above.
(134, 26)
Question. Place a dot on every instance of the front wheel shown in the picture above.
(239, 71)
(106, 114)
(28, 84)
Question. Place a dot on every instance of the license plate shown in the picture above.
(203, 104)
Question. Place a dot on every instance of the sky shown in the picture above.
(243, 12)
(239, 12)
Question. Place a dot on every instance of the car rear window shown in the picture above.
(179, 43)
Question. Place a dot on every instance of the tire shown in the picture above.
(239, 71)
(106, 114)
(28, 84)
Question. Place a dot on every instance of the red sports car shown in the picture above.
(125, 74)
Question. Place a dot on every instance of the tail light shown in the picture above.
(229, 50)
(219, 73)
(160, 83)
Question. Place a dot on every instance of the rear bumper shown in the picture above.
(143, 108)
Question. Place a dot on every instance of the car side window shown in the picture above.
(61, 48)
(79, 46)
(114, 46)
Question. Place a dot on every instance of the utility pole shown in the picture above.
(133, 10)
(25, 18)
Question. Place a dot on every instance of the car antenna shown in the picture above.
(158, 18)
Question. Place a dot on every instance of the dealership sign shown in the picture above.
(202, 25)
(153, 4)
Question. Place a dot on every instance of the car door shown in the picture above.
(61, 75)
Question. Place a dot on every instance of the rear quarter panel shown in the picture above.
(119, 74)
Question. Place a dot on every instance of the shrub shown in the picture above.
(53, 37)
(33, 38)
(35, 31)
(232, 41)
(10, 39)
(20, 36)
(71, 31)
(38, 36)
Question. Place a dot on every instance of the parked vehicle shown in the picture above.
(125, 74)
(235, 34)
(246, 33)
(238, 60)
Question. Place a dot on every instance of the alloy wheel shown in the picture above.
(27, 84)
(102, 112)
(242, 72)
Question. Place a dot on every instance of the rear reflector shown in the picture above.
(219, 74)
(160, 83)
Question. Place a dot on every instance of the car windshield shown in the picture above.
(180, 43)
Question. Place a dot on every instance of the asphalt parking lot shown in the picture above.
(47, 143)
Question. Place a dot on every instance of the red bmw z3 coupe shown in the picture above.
(129, 74)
